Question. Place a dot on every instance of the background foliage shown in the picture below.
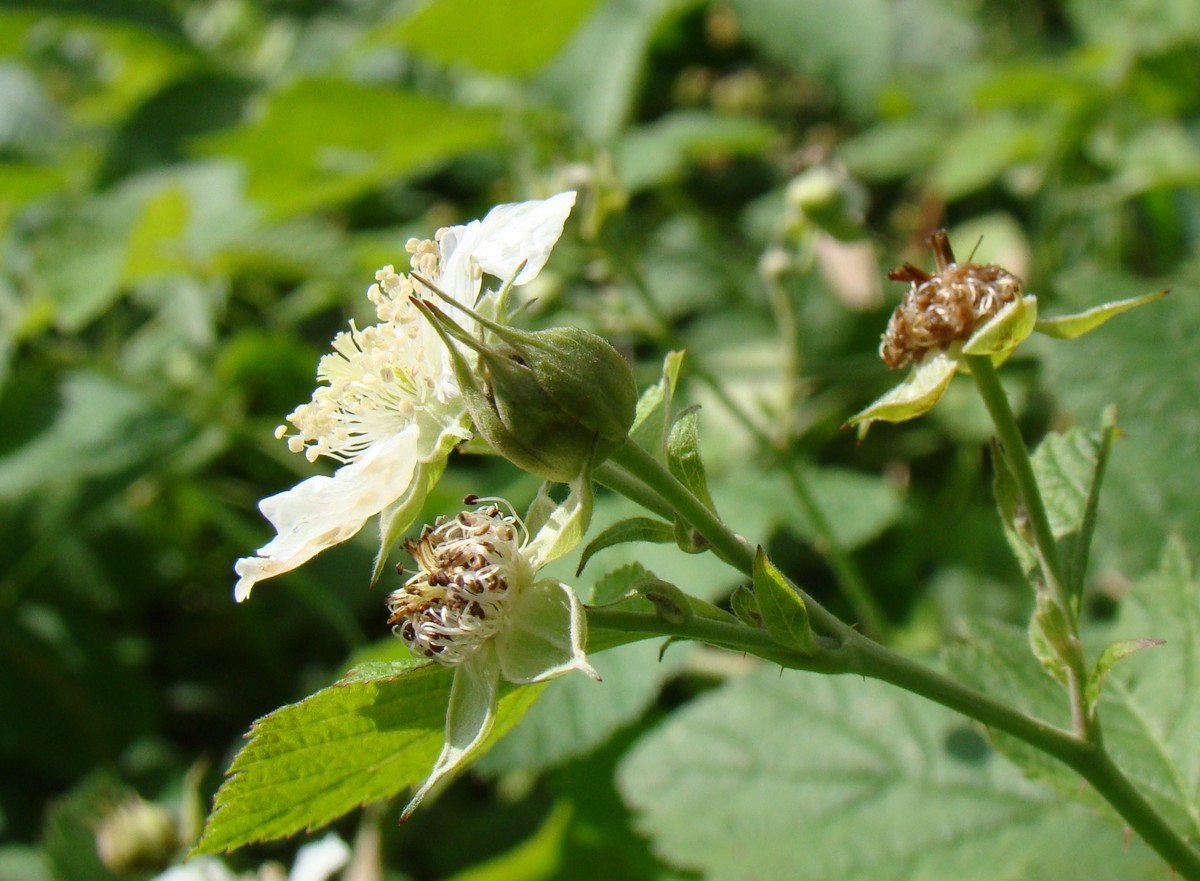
(193, 196)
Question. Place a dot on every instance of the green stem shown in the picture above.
(621, 481)
(860, 655)
(1012, 447)
(726, 544)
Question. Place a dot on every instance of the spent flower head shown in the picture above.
(475, 605)
(389, 408)
(961, 309)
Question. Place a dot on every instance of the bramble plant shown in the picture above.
(561, 404)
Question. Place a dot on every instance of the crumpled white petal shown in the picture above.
(469, 718)
(545, 636)
(321, 511)
(522, 232)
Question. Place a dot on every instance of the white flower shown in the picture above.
(474, 605)
(390, 409)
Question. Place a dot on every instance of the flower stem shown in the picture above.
(862, 656)
(726, 544)
(1012, 447)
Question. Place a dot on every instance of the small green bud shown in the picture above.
(550, 401)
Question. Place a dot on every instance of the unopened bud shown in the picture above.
(550, 401)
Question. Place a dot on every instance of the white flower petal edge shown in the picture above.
(321, 512)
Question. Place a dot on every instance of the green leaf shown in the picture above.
(1067, 327)
(629, 530)
(361, 740)
(809, 778)
(537, 858)
(323, 141)
(783, 611)
(653, 417)
(921, 389)
(516, 37)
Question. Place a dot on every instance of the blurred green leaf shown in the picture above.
(321, 141)
(815, 777)
(660, 152)
(1148, 364)
(599, 98)
(516, 37)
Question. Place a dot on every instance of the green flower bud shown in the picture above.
(550, 401)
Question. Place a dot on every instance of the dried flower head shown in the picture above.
(474, 605)
(945, 307)
(460, 595)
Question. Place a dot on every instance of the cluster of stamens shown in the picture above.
(946, 307)
(378, 377)
(468, 569)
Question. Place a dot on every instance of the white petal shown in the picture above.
(321, 512)
(469, 717)
(320, 859)
(545, 635)
(522, 232)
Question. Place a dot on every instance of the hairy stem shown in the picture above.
(1012, 447)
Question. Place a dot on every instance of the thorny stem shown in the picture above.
(849, 578)
(1012, 447)
(852, 652)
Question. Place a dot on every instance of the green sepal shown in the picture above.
(916, 396)
(555, 529)
(783, 611)
(745, 606)
(1112, 653)
(399, 515)
(631, 529)
(652, 420)
(1050, 635)
(683, 455)
(1004, 331)
(670, 603)
(1067, 327)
